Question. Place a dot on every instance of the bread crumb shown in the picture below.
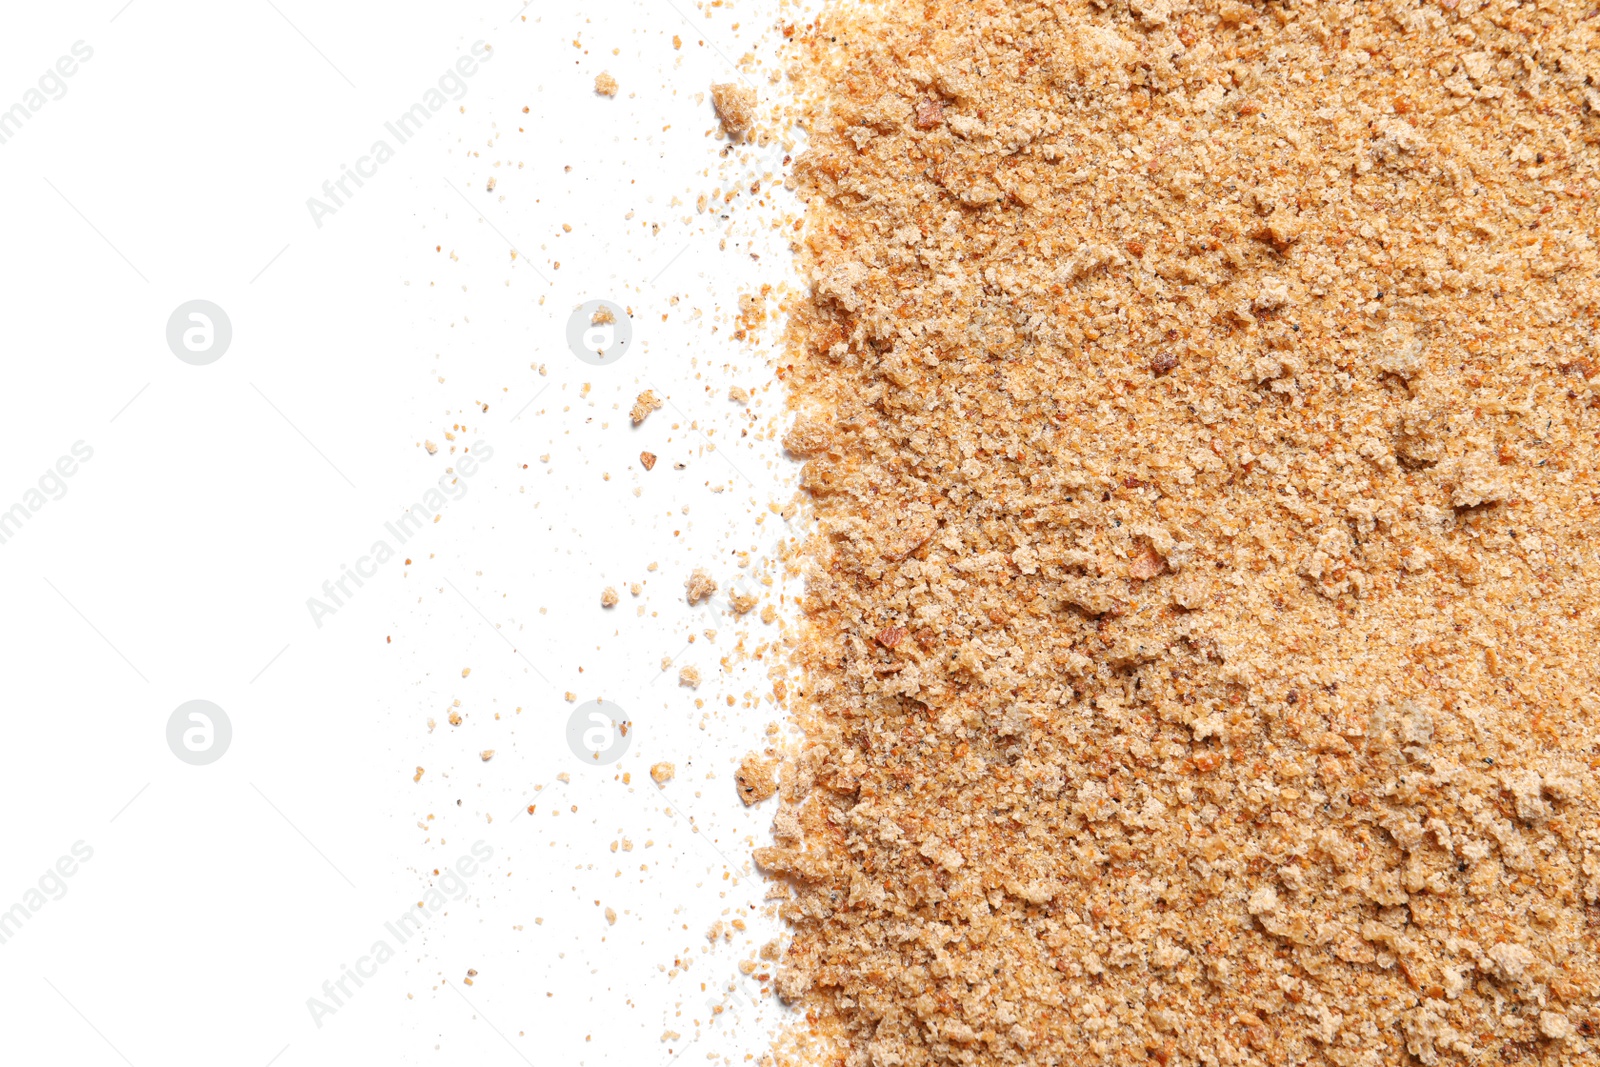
(756, 779)
(735, 105)
(648, 460)
(643, 406)
(699, 585)
(605, 84)
(1555, 1026)
(689, 677)
(608, 597)
(663, 772)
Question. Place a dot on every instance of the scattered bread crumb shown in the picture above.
(699, 585)
(756, 779)
(643, 406)
(735, 105)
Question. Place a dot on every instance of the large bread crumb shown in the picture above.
(756, 779)
(699, 585)
(643, 405)
(735, 105)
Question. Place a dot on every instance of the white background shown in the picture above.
(179, 560)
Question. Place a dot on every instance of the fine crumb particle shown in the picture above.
(431, 447)
(699, 586)
(646, 402)
(757, 779)
(663, 772)
(647, 460)
(486, 755)
(689, 677)
(611, 917)
(1555, 1026)
(738, 394)
(609, 597)
(465, 671)
(735, 105)
(605, 84)
(602, 314)
(418, 776)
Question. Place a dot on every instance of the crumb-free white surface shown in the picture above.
(179, 560)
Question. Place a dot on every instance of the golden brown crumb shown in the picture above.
(608, 597)
(735, 105)
(605, 84)
(486, 755)
(602, 314)
(643, 406)
(648, 460)
(756, 779)
(738, 394)
(699, 585)
(689, 677)
(663, 772)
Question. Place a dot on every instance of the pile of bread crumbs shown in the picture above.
(1200, 412)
